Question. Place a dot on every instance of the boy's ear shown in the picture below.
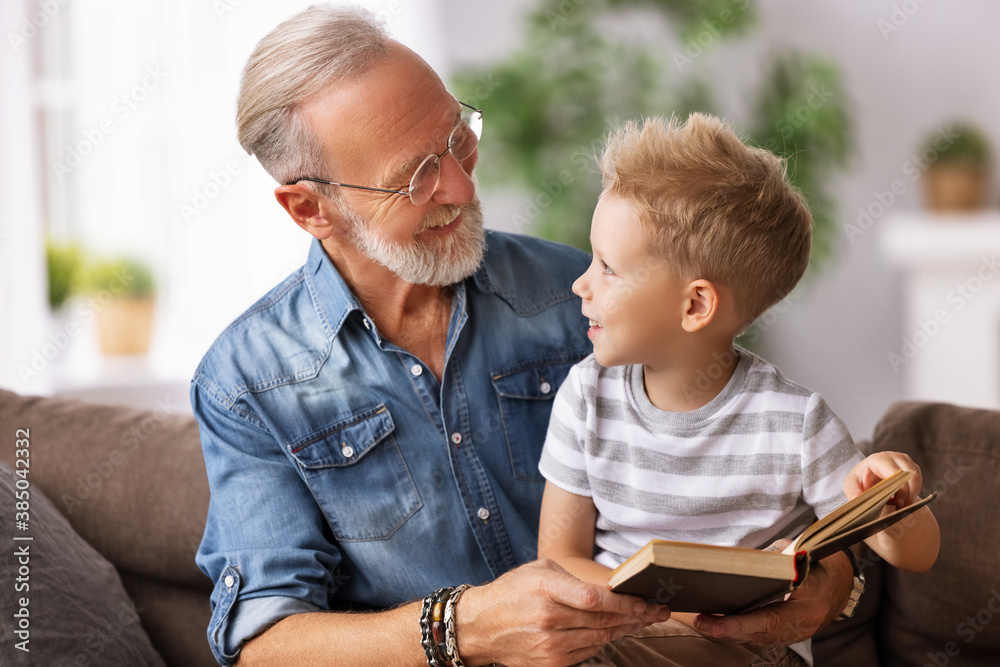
(701, 303)
(310, 210)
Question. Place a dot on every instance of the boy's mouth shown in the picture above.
(595, 327)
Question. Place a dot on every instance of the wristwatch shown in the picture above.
(859, 588)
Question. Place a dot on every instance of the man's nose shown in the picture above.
(455, 184)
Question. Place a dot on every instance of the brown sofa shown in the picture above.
(133, 485)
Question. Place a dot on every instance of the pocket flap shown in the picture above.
(537, 382)
(345, 442)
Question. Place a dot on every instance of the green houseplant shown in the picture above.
(64, 263)
(576, 76)
(122, 292)
(957, 160)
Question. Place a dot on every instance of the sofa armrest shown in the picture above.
(131, 482)
(927, 616)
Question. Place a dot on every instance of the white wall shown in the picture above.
(23, 310)
(906, 77)
(147, 165)
(938, 65)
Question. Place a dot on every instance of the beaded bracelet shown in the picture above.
(437, 627)
(438, 632)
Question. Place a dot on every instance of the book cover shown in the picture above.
(712, 579)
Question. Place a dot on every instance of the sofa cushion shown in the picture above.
(132, 483)
(949, 614)
(67, 599)
(176, 619)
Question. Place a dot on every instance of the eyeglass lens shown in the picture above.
(462, 143)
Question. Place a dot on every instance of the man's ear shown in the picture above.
(701, 303)
(310, 210)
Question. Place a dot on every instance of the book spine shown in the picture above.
(802, 562)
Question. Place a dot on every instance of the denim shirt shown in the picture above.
(344, 475)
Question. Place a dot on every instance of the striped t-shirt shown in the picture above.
(758, 463)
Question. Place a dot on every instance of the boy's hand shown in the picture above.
(882, 465)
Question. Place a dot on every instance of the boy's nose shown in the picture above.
(580, 287)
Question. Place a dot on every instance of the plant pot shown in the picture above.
(954, 187)
(125, 325)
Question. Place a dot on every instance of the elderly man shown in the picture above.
(372, 426)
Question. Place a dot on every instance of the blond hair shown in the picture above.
(297, 59)
(716, 208)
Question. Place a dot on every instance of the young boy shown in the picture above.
(669, 430)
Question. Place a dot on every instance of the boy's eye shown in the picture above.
(607, 269)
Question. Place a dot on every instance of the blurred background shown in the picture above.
(134, 228)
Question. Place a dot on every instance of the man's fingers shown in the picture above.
(596, 606)
(758, 626)
(589, 642)
(778, 545)
(809, 608)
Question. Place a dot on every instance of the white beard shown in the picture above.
(438, 262)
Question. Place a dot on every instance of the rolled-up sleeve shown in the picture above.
(266, 546)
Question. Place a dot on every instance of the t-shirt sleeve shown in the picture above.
(828, 455)
(563, 459)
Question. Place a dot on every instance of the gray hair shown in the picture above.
(291, 63)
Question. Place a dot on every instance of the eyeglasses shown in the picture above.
(462, 142)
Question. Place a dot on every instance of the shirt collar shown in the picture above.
(333, 299)
(331, 296)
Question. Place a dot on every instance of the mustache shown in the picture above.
(439, 216)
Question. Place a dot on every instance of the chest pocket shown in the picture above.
(358, 476)
(525, 394)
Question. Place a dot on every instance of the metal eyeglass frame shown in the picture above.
(466, 120)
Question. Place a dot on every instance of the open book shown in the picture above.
(725, 580)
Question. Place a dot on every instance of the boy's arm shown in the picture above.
(913, 543)
(566, 534)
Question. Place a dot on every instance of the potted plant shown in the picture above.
(573, 79)
(64, 264)
(958, 162)
(123, 296)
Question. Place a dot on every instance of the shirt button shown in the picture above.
(367, 324)
(230, 581)
(483, 513)
(545, 387)
(347, 451)
(456, 438)
(416, 369)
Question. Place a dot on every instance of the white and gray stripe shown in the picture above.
(757, 463)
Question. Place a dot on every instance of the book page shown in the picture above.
(863, 508)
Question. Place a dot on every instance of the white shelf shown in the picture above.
(949, 349)
(915, 240)
(128, 381)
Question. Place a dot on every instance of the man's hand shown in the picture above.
(539, 615)
(806, 611)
